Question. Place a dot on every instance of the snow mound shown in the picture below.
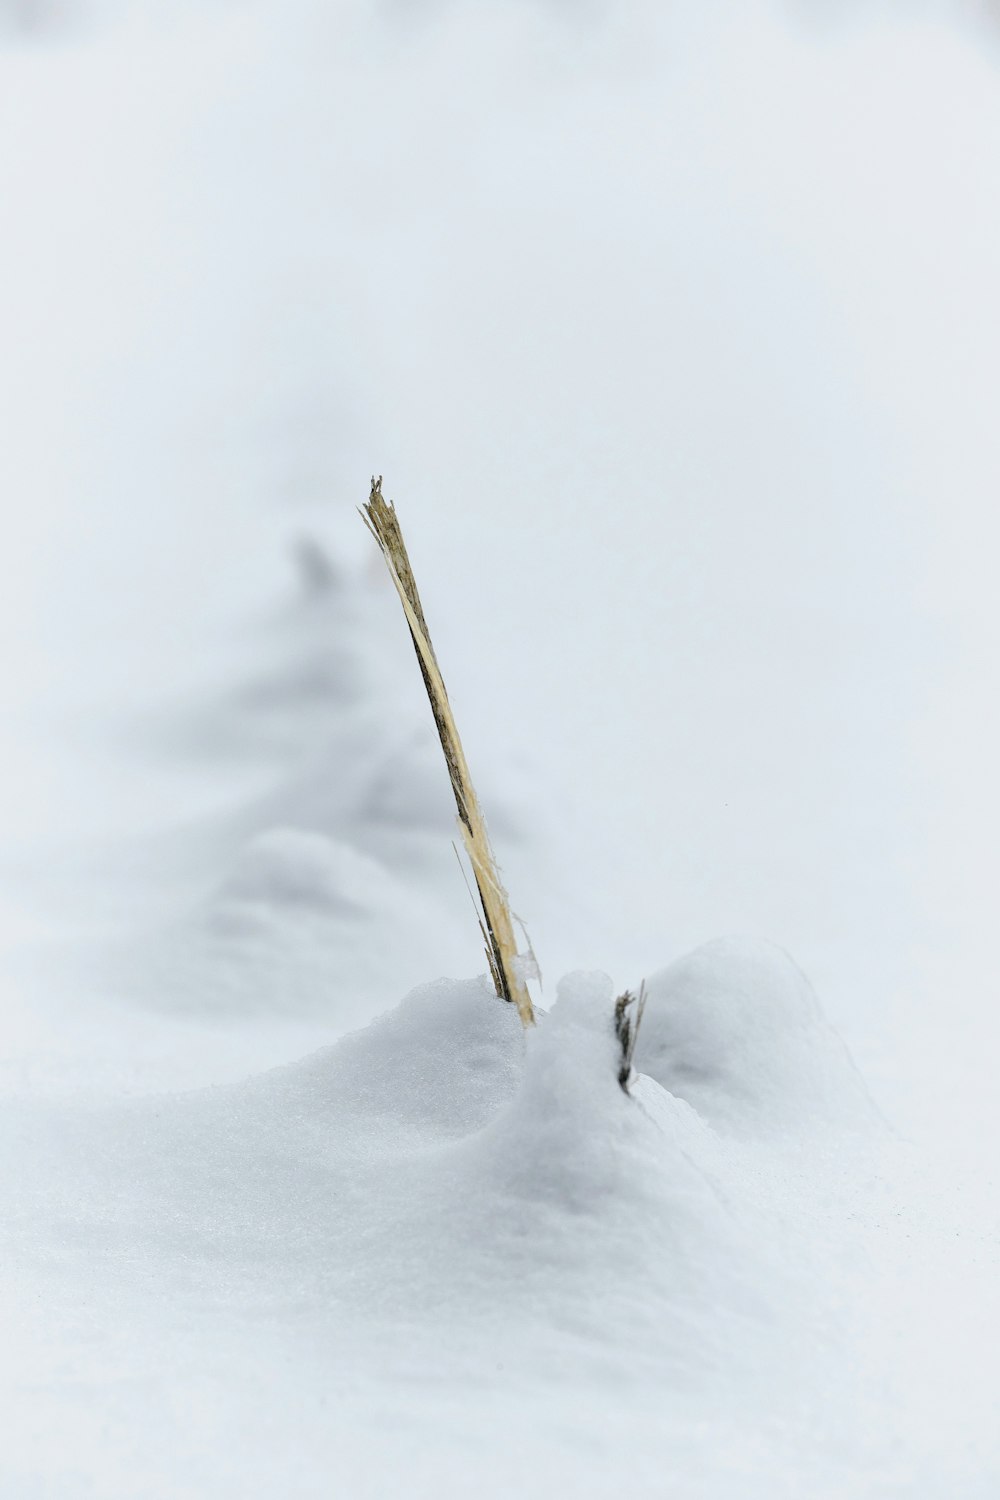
(303, 920)
(435, 1068)
(605, 1210)
(439, 1164)
(735, 1029)
(302, 924)
(331, 887)
(441, 1204)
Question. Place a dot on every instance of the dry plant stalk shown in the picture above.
(627, 1031)
(496, 925)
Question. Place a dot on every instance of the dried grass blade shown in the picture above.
(497, 926)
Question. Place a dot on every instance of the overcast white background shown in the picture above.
(674, 331)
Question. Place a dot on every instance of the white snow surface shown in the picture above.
(444, 1251)
(735, 1029)
(691, 422)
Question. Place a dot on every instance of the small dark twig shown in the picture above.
(627, 1031)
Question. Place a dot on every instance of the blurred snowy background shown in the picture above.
(674, 330)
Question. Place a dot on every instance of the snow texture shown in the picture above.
(736, 1030)
(442, 1217)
